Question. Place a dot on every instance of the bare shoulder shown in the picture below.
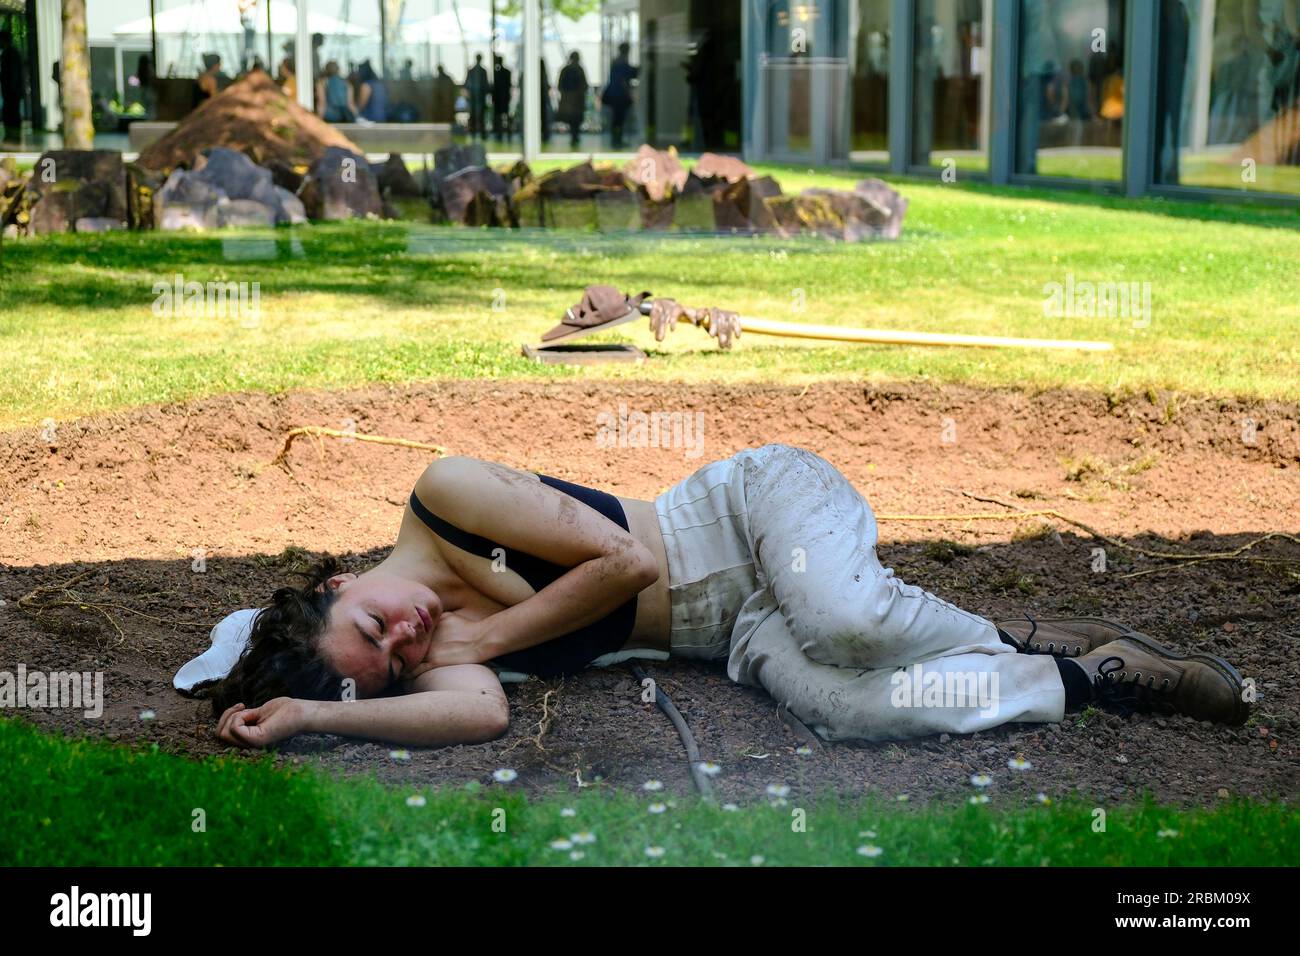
(459, 477)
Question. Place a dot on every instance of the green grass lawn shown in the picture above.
(80, 803)
(347, 304)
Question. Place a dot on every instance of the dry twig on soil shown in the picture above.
(317, 432)
(1183, 559)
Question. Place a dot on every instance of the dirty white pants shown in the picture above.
(772, 567)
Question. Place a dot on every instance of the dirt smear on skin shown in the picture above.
(172, 516)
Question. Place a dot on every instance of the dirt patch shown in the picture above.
(137, 502)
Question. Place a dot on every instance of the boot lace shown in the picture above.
(1130, 691)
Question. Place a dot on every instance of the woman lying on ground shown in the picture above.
(765, 560)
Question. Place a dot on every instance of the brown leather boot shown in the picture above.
(1062, 636)
(1134, 673)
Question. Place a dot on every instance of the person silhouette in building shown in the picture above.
(500, 97)
(617, 95)
(476, 89)
(573, 97)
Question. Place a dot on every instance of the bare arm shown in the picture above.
(449, 705)
(607, 565)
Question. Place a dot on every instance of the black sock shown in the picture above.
(1006, 638)
(1078, 689)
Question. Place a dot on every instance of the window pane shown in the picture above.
(950, 107)
(871, 83)
(1228, 95)
(1070, 103)
(677, 83)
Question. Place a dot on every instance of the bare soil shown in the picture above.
(120, 503)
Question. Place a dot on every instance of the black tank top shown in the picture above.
(570, 652)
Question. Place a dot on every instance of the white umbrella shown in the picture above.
(216, 19)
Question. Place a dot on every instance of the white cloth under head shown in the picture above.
(230, 637)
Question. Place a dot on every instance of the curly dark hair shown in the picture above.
(283, 656)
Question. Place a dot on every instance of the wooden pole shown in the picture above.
(837, 333)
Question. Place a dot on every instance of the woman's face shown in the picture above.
(380, 626)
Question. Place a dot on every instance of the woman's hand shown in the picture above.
(278, 719)
(456, 640)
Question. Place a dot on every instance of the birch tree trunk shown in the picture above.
(74, 79)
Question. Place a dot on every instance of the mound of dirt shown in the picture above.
(255, 117)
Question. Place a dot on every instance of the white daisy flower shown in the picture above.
(730, 807)
(561, 845)
(504, 775)
(709, 768)
(657, 808)
(980, 780)
(576, 855)
(902, 798)
(654, 852)
(803, 750)
(980, 798)
(147, 715)
(568, 812)
(1018, 762)
(652, 785)
(1043, 798)
(869, 834)
(756, 860)
(777, 790)
(1165, 834)
(583, 837)
(870, 850)
(415, 800)
(399, 755)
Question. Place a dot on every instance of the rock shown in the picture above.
(238, 178)
(341, 185)
(580, 181)
(944, 738)
(51, 213)
(245, 212)
(99, 224)
(476, 196)
(519, 175)
(452, 159)
(656, 215)
(291, 207)
(659, 173)
(186, 201)
(741, 207)
(885, 197)
(862, 216)
(728, 169)
(55, 207)
(804, 214)
(102, 166)
(396, 180)
(234, 174)
(286, 176)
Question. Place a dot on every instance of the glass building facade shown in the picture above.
(1179, 97)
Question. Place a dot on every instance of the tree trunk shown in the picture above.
(74, 79)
